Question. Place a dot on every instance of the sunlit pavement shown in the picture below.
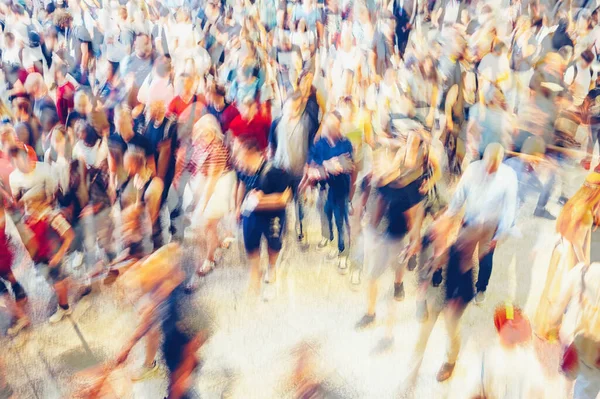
(251, 351)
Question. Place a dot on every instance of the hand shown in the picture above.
(429, 121)
(87, 211)
(54, 262)
(426, 186)
(450, 125)
(238, 215)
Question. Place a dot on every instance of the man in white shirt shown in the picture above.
(29, 175)
(494, 69)
(578, 77)
(488, 193)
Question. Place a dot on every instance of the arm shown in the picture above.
(153, 197)
(85, 56)
(274, 202)
(450, 101)
(67, 237)
(433, 106)
(460, 195)
(510, 207)
(239, 196)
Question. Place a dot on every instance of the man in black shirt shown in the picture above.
(262, 197)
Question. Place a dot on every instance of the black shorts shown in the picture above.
(255, 226)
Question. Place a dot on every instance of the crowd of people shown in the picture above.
(135, 134)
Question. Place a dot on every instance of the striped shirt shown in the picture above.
(208, 157)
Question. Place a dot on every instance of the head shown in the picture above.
(587, 57)
(82, 102)
(157, 110)
(134, 160)
(62, 19)
(124, 122)
(59, 139)
(249, 154)
(499, 48)
(216, 97)
(512, 326)
(248, 108)
(20, 160)
(143, 46)
(8, 138)
(162, 67)
(35, 86)
(188, 83)
(332, 125)
(206, 130)
(534, 147)
(492, 157)
(293, 105)
(60, 73)
(9, 39)
(305, 81)
(86, 133)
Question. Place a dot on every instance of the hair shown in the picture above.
(251, 144)
(588, 56)
(138, 155)
(62, 18)
(9, 36)
(17, 151)
(163, 66)
(34, 82)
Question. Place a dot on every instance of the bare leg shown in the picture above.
(254, 272)
(212, 238)
(62, 293)
(372, 297)
(272, 273)
(152, 343)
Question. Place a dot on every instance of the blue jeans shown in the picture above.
(337, 206)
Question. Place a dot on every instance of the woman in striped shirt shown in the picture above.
(212, 183)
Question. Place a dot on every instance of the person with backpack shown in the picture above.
(578, 77)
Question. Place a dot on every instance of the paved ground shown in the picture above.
(251, 352)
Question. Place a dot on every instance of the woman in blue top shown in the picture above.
(331, 162)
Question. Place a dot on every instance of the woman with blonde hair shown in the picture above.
(573, 246)
(211, 184)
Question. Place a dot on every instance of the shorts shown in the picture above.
(255, 226)
(383, 251)
(52, 274)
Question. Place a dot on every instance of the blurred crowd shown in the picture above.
(136, 136)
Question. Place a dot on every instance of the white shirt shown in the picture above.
(580, 84)
(39, 179)
(487, 197)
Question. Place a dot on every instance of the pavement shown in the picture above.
(252, 350)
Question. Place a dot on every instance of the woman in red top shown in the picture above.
(213, 179)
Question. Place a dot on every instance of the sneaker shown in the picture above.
(323, 243)
(77, 260)
(479, 298)
(366, 321)
(207, 267)
(343, 264)
(355, 277)
(399, 292)
(422, 313)
(333, 254)
(269, 292)
(60, 314)
(543, 213)
(145, 372)
(445, 372)
(19, 325)
(562, 200)
(226, 243)
(412, 263)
